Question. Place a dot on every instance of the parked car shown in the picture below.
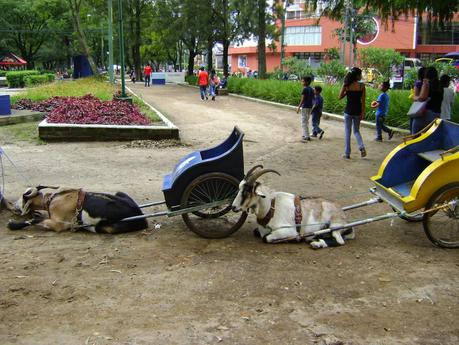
(450, 58)
(410, 63)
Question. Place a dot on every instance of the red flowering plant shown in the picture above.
(86, 110)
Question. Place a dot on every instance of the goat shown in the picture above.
(279, 214)
(70, 209)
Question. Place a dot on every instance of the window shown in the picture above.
(433, 34)
(303, 35)
(300, 14)
(242, 61)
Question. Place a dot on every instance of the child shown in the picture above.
(382, 105)
(316, 112)
(305, 105)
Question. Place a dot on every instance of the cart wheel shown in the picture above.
(213, 222)
(442, 225)
(409, 218)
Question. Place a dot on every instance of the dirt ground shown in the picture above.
(168, 286)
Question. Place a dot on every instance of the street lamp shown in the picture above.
(121, 43)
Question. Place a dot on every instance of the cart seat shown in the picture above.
(227, 158)
(431, 156)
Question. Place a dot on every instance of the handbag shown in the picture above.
(418, 109)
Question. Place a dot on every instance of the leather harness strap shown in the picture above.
(79, 206)
(298, 214)
(265, 220)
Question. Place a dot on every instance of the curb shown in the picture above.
(326, 115)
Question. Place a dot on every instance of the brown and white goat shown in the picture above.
(69, 209)
(280, 214)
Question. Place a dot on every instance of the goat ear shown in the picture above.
(257, 192)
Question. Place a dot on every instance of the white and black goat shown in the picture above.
(69, 209)
(280, 214)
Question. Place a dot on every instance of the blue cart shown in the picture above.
(202, 187)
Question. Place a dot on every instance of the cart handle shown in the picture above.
(450, 151)
(415, 135)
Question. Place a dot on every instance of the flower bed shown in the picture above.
(86, 110)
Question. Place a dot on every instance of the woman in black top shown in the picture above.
(354, 91)
(431, 91)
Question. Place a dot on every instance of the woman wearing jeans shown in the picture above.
(354, 91)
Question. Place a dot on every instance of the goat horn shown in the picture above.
(30, 192)
(252, 170)
(43, 187)
(255, 176)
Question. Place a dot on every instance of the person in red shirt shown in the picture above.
(203, 80)
(147, 74)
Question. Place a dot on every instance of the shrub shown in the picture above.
(298, 67)
(16, 78)
(333, 69)
(32, 80)
(381, 59)
(191, 79)
(3, 73)
(288, 92)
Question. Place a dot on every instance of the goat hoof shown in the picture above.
(265, 239)
(12, 225)
(256, 233)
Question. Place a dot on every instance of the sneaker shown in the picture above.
(305, 139)
(346, 156)
(207, 98)
(321, 134)
(378, 139)
(314, 135)
(363, 153)
(391, 134)
(213, 98)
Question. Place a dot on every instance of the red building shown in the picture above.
(307, 37)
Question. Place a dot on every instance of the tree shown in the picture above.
(75, 10)
(381, 59)
(28, 25)
(298, 67)
(440, 10)
(332, 71)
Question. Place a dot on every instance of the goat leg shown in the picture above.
(14, 225)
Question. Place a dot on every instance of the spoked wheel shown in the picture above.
(442, 224)
(411, 218)
(217, 221)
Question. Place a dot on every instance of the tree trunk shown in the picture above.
(75, 10)
(210, 54)
(137, 39)
(191, 56)
(261, 39)
(226, 44)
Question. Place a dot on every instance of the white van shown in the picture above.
(412, 63)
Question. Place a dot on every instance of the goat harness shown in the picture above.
(298, 215)
(79, 205)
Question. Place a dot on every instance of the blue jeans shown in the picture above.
(203, 91)
(147, 80)
(316, 130)
(352, 122)
(380, 126)
(420, 122)
(212, 90)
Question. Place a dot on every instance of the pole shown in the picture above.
(351, 32)
(345, 32)
(110, 41)
(121, 38)
(282, 53)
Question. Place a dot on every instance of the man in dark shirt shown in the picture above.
(307, 96)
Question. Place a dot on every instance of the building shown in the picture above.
(308, 37)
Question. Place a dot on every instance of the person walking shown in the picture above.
(382, 108)
(448, 97)
(432, 93)
(316, 112)
(213, 83)
(354, 91)
(203, 81)
(307, 96)
(147, 74)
